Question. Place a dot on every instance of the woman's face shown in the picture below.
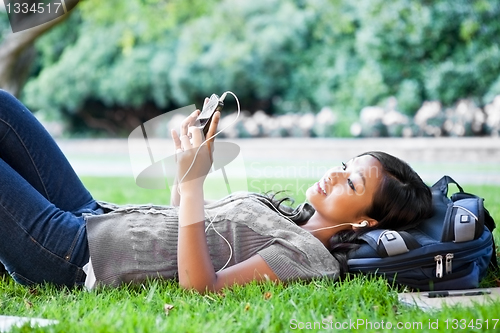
(346, 192)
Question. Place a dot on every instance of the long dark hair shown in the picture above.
(283, 205)
(401, 202)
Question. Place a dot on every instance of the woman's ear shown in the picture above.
(372, 222)
(368, 222)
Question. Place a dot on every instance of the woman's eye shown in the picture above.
(344, 166)
(351, 184)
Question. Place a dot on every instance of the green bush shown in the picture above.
(288, 56)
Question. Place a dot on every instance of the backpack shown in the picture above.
(450, 250)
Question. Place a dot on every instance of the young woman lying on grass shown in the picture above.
(52, 229)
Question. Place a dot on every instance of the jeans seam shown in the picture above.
(68, 255)
(29, 154)
(18, 276)
(80, 277)
(44, 249)
(7, 132)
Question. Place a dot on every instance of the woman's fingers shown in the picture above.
(185, 142)
(213, 125)
(196, 136)
(192, 139)
(213, 129)
(177, 141)
(192, 136)
(188, 122)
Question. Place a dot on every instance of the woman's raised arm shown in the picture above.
(195, 267)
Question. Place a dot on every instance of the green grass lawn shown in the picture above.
(360, 304)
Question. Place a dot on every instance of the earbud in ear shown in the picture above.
(361, 225)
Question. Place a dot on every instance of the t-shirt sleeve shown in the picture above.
(289, 263)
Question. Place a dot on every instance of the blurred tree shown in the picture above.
(248, 47)
(431, 50)
(114, 75)
(278, 55)
(17, 52)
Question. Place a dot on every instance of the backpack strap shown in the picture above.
(464, 220)
(442, 185)
(490, 224)
(388, 243)
(488, 220)
(485, 216)
(464, 227)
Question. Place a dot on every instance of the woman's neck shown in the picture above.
(323, 230)
(314, 223)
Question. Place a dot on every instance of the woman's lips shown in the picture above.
(319, 189)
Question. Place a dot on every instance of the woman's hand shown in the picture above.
(193, 154)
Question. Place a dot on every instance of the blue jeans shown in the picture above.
(42, 202)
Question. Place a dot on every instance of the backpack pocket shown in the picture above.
(466, 278)
(435, 265)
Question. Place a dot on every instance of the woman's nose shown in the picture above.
(334, 175)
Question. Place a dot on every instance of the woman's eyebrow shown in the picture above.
(363, 178)
(358, 171)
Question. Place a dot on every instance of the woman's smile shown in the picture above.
(322, 187)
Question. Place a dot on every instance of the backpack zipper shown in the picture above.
(449, 258)
(439, 266)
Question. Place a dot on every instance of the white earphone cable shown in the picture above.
(362, 225)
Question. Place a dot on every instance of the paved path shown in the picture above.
(468, 160)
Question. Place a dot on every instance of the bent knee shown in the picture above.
(5, 94)
(7, 97)
(9, 103)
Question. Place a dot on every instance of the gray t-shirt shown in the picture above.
(133, 243)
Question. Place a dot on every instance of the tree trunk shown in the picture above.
(17, 51)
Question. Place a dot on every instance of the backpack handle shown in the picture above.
(442, 185)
